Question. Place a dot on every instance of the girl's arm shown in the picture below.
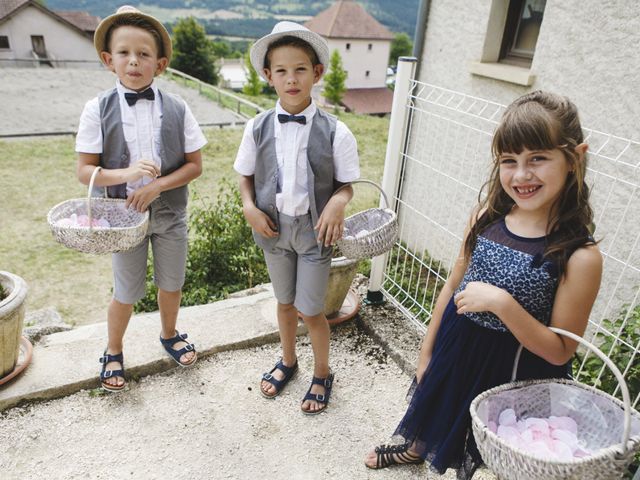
(455, 277)
(574, 299)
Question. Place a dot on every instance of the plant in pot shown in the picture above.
(13, 292)
(343, 271)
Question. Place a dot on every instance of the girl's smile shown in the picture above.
(534, 179)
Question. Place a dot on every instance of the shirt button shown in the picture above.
(271, 207)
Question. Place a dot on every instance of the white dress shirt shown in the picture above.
(141, 124)
(291, 139)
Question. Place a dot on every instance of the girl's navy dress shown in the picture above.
(474, 352)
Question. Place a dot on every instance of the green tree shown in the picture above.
(401, 46)
(334, 86)
(254, 85)
(193, 51)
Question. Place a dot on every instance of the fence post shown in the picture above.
(392, 163)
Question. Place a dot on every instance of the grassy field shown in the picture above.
(39, 173)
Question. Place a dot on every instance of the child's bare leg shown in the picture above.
(169, 304)
(287, 325)
(118, 315)
(319, 332)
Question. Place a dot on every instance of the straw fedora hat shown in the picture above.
(288, 29)
(129, 12)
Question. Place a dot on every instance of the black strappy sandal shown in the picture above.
(388, 455)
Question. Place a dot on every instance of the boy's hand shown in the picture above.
(330, 225)
(260, 221)
(143, 196)
(141, 169)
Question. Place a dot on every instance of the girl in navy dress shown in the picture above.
(528, 261)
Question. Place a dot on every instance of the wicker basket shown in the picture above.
(371, 232)
(609, 428)
(127, 229)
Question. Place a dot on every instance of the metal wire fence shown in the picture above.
(444, 160)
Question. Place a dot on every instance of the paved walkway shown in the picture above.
(208, 421)
(47, 100)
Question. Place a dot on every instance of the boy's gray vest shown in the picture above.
(115, 153)
(320, 174)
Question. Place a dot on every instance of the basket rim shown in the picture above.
(52, 224)
(617, 448)
(393, 218)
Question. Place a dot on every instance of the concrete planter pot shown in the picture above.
(11, 320)
(341, 275)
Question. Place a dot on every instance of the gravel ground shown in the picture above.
(211, 422)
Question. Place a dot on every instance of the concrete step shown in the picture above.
(67, 362)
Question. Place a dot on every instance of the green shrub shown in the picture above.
(621, 354)
(223, 257)
(415, 280)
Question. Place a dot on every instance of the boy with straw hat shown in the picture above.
(147, 143)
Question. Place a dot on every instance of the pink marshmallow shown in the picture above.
(507, 417)
(564, 423)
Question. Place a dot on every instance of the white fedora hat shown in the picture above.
(288, 29)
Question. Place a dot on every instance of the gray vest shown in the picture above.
(115, 153)
(320, 174)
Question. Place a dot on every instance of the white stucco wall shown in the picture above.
(359, 58)
(587, 50)
(61, 41)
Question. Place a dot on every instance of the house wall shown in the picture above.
(587, 50)
(359, 58)
(61, 41)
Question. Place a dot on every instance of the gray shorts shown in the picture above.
(168, 236)
(298, 269)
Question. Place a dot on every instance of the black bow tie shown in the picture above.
(132, 98)
(284, 118)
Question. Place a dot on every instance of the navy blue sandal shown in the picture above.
(106, 374)
(327, 383)
(288, 372)
(168, 344)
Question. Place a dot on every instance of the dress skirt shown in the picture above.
(467, 359)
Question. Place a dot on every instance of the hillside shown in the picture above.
(248, 18)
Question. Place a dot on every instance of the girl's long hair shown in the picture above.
(541, 121)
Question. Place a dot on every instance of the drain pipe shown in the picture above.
(420, 33)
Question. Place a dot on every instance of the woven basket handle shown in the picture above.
(93, 178)
(363, 180)
(623, 385)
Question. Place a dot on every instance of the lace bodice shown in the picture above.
(515, 264)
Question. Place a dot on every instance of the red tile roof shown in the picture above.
(82, 20)
(8, 6)
(348, 19)
(368, 100)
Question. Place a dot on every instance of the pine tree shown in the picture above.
(193, 51)
(254, 85)
(334, 86)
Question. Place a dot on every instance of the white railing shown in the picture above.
(226, 99)
(437, 159)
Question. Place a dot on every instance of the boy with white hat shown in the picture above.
(292, 159)
(147, 143)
